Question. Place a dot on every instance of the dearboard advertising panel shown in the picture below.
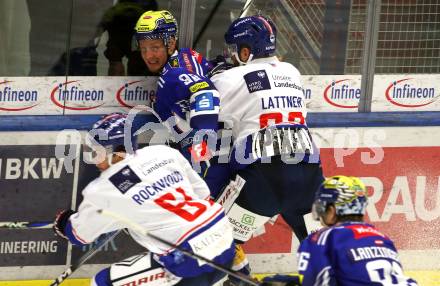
(39, 176)
(75, 95)
(101, 95)
(401, 168)
(31, 179)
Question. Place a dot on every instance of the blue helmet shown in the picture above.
(109, 132)
(255, 32)
(347, 194)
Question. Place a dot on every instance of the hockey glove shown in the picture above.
(285, 280)
(196, 150)
(61, 221)
(219, 65)
(195, 147)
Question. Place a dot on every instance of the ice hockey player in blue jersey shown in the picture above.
(186, 100)
(349, 251)
(155, 189)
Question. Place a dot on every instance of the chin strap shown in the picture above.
(110, 157)
(251, 56)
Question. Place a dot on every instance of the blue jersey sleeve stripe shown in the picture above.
(194, 113)
(68, 231)
(196, 65)
(214, 93)
(216, 103)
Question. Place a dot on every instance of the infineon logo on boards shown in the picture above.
(404, 93)
(342, 95)
(70, 95)
(132, 93)
(16, 99)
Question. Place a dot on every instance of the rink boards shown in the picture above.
(424, 278)
(400, 166)
(101, 95)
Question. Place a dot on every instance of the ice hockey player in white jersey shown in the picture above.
(156, 188)
(262, 101)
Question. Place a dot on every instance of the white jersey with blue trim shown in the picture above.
(263, 92)
(155, 188)
(263, 103)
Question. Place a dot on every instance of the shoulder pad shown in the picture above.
(320, 236)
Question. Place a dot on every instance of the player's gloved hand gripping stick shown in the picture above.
(59, 226)
(74, 266)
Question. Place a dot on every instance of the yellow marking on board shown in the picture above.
(423, 277)
(67, 282)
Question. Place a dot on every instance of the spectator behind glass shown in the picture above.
(119, 21)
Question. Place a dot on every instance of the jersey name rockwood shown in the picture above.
(151, 190)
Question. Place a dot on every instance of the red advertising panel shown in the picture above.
(404, 192)
(404, 202)
(276, 239)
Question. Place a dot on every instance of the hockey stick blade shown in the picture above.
(74, 266)
(211, 263)
(26, 224)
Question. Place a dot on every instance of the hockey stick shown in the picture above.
(246, 6)
(26, 224)
(211, 263)
(74, 266)
(211, 16)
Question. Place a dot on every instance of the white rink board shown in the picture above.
(419, 224)
(102, 95)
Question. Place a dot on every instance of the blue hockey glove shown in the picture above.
(60, 222)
